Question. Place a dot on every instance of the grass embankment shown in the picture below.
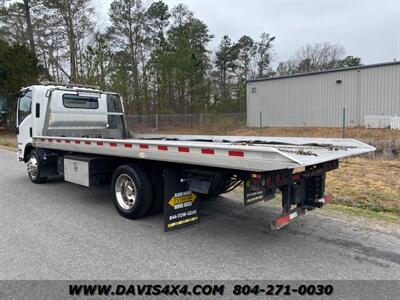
(364, 187)
(371, 185)
(8, 139)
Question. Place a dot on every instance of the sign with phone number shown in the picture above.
(180, 205)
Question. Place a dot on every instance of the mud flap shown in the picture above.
(181, 205)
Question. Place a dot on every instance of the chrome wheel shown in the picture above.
(125, 191)
(32, 166)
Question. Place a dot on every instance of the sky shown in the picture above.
(367, 29)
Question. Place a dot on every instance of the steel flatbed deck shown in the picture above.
(253, 153)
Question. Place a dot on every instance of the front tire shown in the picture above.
(132, 191)
(33, 165)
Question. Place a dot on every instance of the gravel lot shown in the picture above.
(59, 230)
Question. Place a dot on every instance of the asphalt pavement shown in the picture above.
(58, 230)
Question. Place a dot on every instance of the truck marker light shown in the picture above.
(296, 178)
(128, 145)
(236, 153)
(49, 140)
(278, 180)
(268, 182)
(207, 151)
(67, 141)
(58, 141)
(42, 140)
(162, 148)
(183, 149)
(113, 144)
(99, 143)
(77, 142)
(328, 198)
(143, 146)
(88, 143)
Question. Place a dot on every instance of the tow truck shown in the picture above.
(80, 132)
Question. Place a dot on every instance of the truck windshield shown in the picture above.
(24, 106)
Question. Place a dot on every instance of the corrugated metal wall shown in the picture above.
(318, 100)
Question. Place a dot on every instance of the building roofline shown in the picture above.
(325, 71)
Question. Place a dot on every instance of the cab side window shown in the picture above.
(114, 103)
(24, 106)
(75, 101)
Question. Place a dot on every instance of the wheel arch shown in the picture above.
(28, 148)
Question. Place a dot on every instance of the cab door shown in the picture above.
(24, 121)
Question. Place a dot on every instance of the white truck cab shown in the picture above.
(65, 110)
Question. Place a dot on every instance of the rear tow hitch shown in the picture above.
(291, 215)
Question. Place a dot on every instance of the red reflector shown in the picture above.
(87, 142)
(268, 181)
(143, 146)
(296, 177)
(207, 151)
(236, 153)
(283, 220)
(43, 140)
(99, 143)
(68, 142)
(128, 145)
(162, 148)
(183, 149)
(113, 144)
(58, 141)
(328, 198)
(49, 140)
(77, 142)
(278, 180)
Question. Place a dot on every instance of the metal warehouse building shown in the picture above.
(318, 99)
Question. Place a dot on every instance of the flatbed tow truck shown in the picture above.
(80, 132)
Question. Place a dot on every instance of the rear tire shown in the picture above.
(132, 191)
(34, 165)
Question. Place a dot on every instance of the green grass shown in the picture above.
(365, 213)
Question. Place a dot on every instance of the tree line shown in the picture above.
(156, 57)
